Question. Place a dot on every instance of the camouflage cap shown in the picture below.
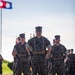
(22, 35)
(38, 28)
(57, 36)
(71, 49)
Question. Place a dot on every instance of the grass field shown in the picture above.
(5, 69)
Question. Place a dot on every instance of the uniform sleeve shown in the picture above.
(65, 51)
(69, 56)
(1, 58)
(29, 44)
(14, 48)
(74, 56)
(14, 52)
(48, 44)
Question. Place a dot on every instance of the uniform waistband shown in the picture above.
(58, 58)
(71, 60)
(39, 52)
(21, 55)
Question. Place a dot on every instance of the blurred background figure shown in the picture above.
(68, 51)
(71, 51)
(17, 40)
(53, 41)
(71, 63)
(1, 59)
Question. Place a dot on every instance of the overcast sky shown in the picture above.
(55, 16)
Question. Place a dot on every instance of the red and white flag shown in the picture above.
(2, 4)
(1, 0)
(5, 4)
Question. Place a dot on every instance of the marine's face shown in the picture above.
(22, 39)
(71, 51)
(38, 33)
(57, 40)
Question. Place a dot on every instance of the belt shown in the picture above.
(58, 58)
(39, 52)
(21, 55)
(71, 60)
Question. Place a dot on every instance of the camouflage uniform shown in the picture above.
(15, 58)
(71, 64)
(39, 63)
(22, 63)
(58, 55)
(14, 64)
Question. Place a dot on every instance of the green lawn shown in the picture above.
(6, 70)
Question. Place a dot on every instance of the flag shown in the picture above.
(8, 5)
(1, 0)
(2, 4)
(5, 4)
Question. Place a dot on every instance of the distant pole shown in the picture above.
(1, 31)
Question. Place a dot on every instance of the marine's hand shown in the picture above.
(47, 56)
(29, 57)
(14, 53)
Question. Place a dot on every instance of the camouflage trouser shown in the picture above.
(39, 66)
(22, 67)
(58, 67)
(71, 71)
(49, 66)
(71, 66)
(66, 69)
(14, 67)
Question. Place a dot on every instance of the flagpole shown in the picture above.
(3, 6)
(1, 33)
(1, 30)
